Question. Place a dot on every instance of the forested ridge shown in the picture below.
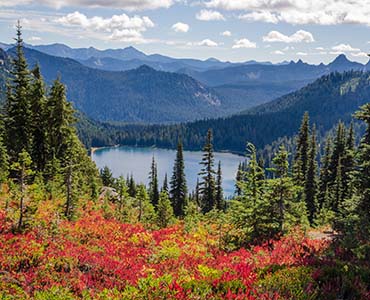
(299, 229)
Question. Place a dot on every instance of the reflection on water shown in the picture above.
(137, 161)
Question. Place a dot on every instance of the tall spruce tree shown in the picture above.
(153, 184)
(207, 184)
(311, 185)
(18, 104)
(300, 164)
(4, 159)
(363, 175)
(324, 179)
(39, 128)
(178, 190)
(165, 185)
(220, 205)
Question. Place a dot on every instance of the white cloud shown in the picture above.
(302, 53)
(298, 37)
(209, 15)
(260, 16)
(207, 43)
(320, 48)
(244, 43)
(344, 48)
(328, 12)
(118, 27)
(226, 33)
(34, 39)
(287, 48)
(130, 5)
(180, 27)
(360, 54)
(278, 52)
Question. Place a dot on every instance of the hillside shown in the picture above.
(140, 95)
(331, 98)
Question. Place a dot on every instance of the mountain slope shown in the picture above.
(140, 95)
(329, 99)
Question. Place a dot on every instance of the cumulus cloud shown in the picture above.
(130, 5)
(209, 15)
(344, 48)
(278, 52)
(328, 12)
(244, 43)
(180, 27)
(207, 43)
(302, 53)
(118, 27)
(34, 39)
(360, 54)
(226, 33)
(298, 37)
(260, 16)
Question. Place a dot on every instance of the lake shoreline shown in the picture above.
(94, 149)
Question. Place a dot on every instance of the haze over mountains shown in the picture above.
(126, 85)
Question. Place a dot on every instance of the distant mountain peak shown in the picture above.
(145, 68)
(341, 58)
(212, 59)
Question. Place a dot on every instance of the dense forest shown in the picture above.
(299, 229)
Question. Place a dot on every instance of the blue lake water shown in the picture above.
(137, 161)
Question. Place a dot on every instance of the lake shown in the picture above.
(137, 161)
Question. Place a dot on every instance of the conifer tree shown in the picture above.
(165, 185)
(132, 186)
(300, 164)
(238, 178)
(4, 159)
(310, 187)
(106, 176)
(165, 210)
(207, 184)
(325, 175)
(122, 190)
(219, 191)
(363, 175)
(39, 128)
(18, 104)
(178, 191)
(153, 184)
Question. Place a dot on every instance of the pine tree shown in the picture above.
(310, 186)
(238, 178)
(106, 176)
(38, 130)
(165, 210)
(165, 185)
(207, 185)
(363, 175)
(122, 190)
(153, 184)
(18, 104)
(132, 187)
(300, 164)
(4, 159)
(178, 190)
(348, 163)
(325, 175)
(219, 191)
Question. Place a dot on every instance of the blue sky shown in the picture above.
(234, 30)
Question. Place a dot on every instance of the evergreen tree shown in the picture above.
(122, 190)
(4, 159)
(38, 129)
(165, 210)
(311, 185)
(325, 175)
(239, 178)
(106, 176)
(165, 185)
(153, 184)
(219, 191)
(363, 175)
(18, 104)
(132, 186)
(207, 185)
(300, 164)
(178, 190)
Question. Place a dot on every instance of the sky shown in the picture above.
(230, 30)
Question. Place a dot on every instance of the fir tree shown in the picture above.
(300, 164)
(207, 185)
(106, 176)
(238, 178)
(219, 191)
(165, 210)
(310, 187)
(18, 104)
(325, 175)
(363, 175)
(153, 184)
(165, 185)
(4, 159)
(178, 190)
(132, 187)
